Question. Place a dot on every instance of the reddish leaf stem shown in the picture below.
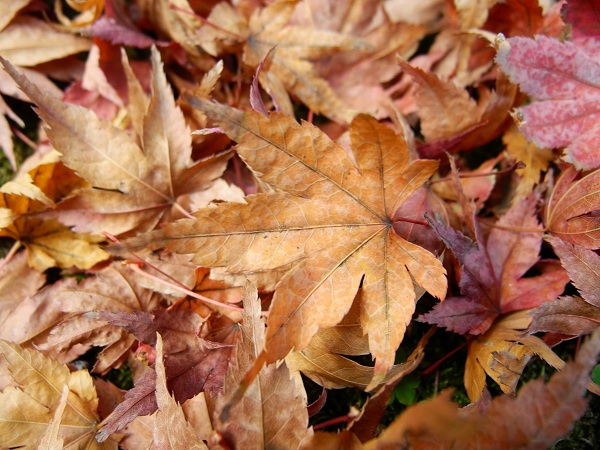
(518, 230)
(439, 362)
(183, 211)
(24, 137)
(135, 266)
(177, 285)
(336, 420)
(512, 168)
(416, 222)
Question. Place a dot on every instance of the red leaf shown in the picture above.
(492, 280)
(564, 78)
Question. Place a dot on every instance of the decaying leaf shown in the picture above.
(290, 69)
(134, 187)
(539, 415)
(273, 412)
(568, 315)
(563, 78)
(330, 220)
(115, 289)
(571, 210)
(492, 272)
(171, 430)
(195, 364)
(28, 407)
(502, 353)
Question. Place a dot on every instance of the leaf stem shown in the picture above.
(135, 266)
(416, 222)
(183, 211)
(439, 362)
(9, 255)
(336, 420)
(517, 230)
(518, 165)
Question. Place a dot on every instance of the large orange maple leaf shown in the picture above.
(329, 221)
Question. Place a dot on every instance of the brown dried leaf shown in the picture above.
(27, 41)
(583, 267)
(535, 419)
(333, 223)
(171, 429)
(571, 316)
(114, 288)
(17, 282)
(134, 187)
(273, 413)
(571, 210)
(502, 353)
(295, 47)
(27, 410)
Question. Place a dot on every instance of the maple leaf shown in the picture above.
(290, 67)
(563, 79)
(571, 211)
(17, 282)
(439, 100)
(358, 76)
(325, 359)
(174, 19)
(536, 161)
(133, 187)
(171, 430)
(28, 41)
(502, 353)
(572, 315)
(195, 365)
(273, 412)
(491, 279)
(536, 418)
(49, 243)
(28, 407)
(331, 219)
(114, 289)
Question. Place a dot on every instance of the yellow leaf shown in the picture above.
(28, 408)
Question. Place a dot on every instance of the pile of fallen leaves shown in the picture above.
(227, 199)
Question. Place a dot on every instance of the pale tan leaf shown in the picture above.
(27, 41)
(50, 439)
(134, 187)
(273, 413)
(8, 10)
(17, 282)
(171, 429)
(28, 410)
(332, 225)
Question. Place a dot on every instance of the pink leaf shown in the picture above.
(564, 78)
